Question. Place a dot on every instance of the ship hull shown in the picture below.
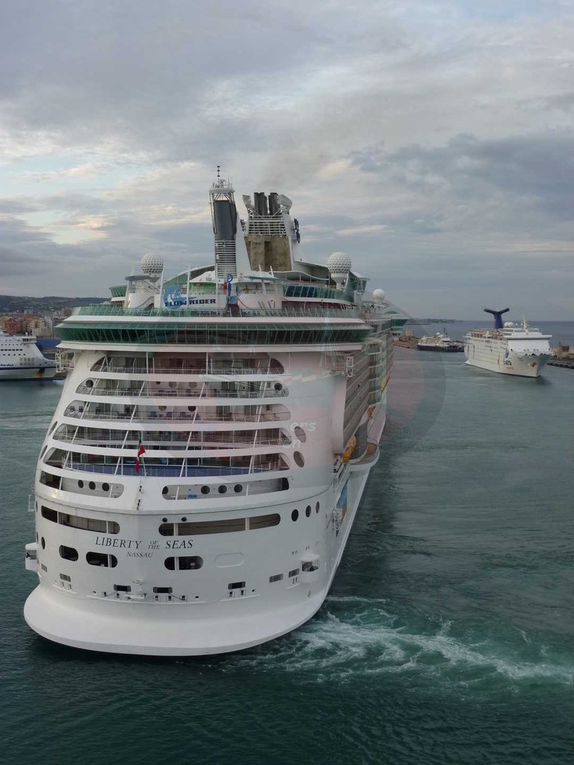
(438, 350)
(28, 373)
(497, 359)
(199, 629)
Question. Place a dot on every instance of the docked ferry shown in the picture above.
(203, 468)
(509, 348)
(439, 342)
(21, 359)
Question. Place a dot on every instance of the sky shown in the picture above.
(431, 140)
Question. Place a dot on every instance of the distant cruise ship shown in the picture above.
(202, 471)
(509, 348)
(21, 359)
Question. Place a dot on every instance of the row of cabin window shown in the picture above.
(166, 529)
(219, 527)
(78, 522)
(180, 563)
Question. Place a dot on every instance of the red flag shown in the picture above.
(141, 451)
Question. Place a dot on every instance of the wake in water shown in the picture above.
(355, 636)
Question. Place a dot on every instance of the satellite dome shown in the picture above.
(152, 265)
(339, 263)
(378, 295)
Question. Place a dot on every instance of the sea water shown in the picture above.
(448, 635)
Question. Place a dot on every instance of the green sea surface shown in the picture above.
(448, 635)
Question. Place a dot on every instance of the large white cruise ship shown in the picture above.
(509, 348)
(204, 465)
(21, 359)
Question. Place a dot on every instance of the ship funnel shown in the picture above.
(497, 316)
(274, 203)
(229, 257)
(260, 203)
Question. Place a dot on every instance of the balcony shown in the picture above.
(171, 440)
(200, 368)
(153, 466)
(175, 390)
(262, 413)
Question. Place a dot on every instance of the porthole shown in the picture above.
(43, 542)
(299, 459)
(184, 519)
(164, 520)
(300, 434)
(222, 489)
(89, 383)
(81, 484)
(105, 487)
(308, 511)
(295, 515)
(164, 491)
(92, 485)
(278, 386)
(191, 408)
(205, 489)
(238, 488)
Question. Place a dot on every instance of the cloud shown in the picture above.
(436, 138)
(374, 228)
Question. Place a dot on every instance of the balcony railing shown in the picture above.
(312, 310)
(144, 391)
(120, 443)
(152, 369)
(156, 416)
(175, 471)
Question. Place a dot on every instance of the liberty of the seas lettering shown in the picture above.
(178, 544)
(128, 544)
(138, 545)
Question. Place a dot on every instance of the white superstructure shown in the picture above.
(509, 348)
(204, 465)
(21, 359)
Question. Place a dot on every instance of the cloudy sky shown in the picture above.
(432, 140)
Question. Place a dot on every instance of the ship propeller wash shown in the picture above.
(200, 476)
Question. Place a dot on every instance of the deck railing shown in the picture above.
(158, 417)
(175, 471)
(312, 311)
(154, 370)
(148, 392)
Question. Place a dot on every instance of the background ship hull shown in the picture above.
(439, 350)
(28, 373)
(530, 366)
